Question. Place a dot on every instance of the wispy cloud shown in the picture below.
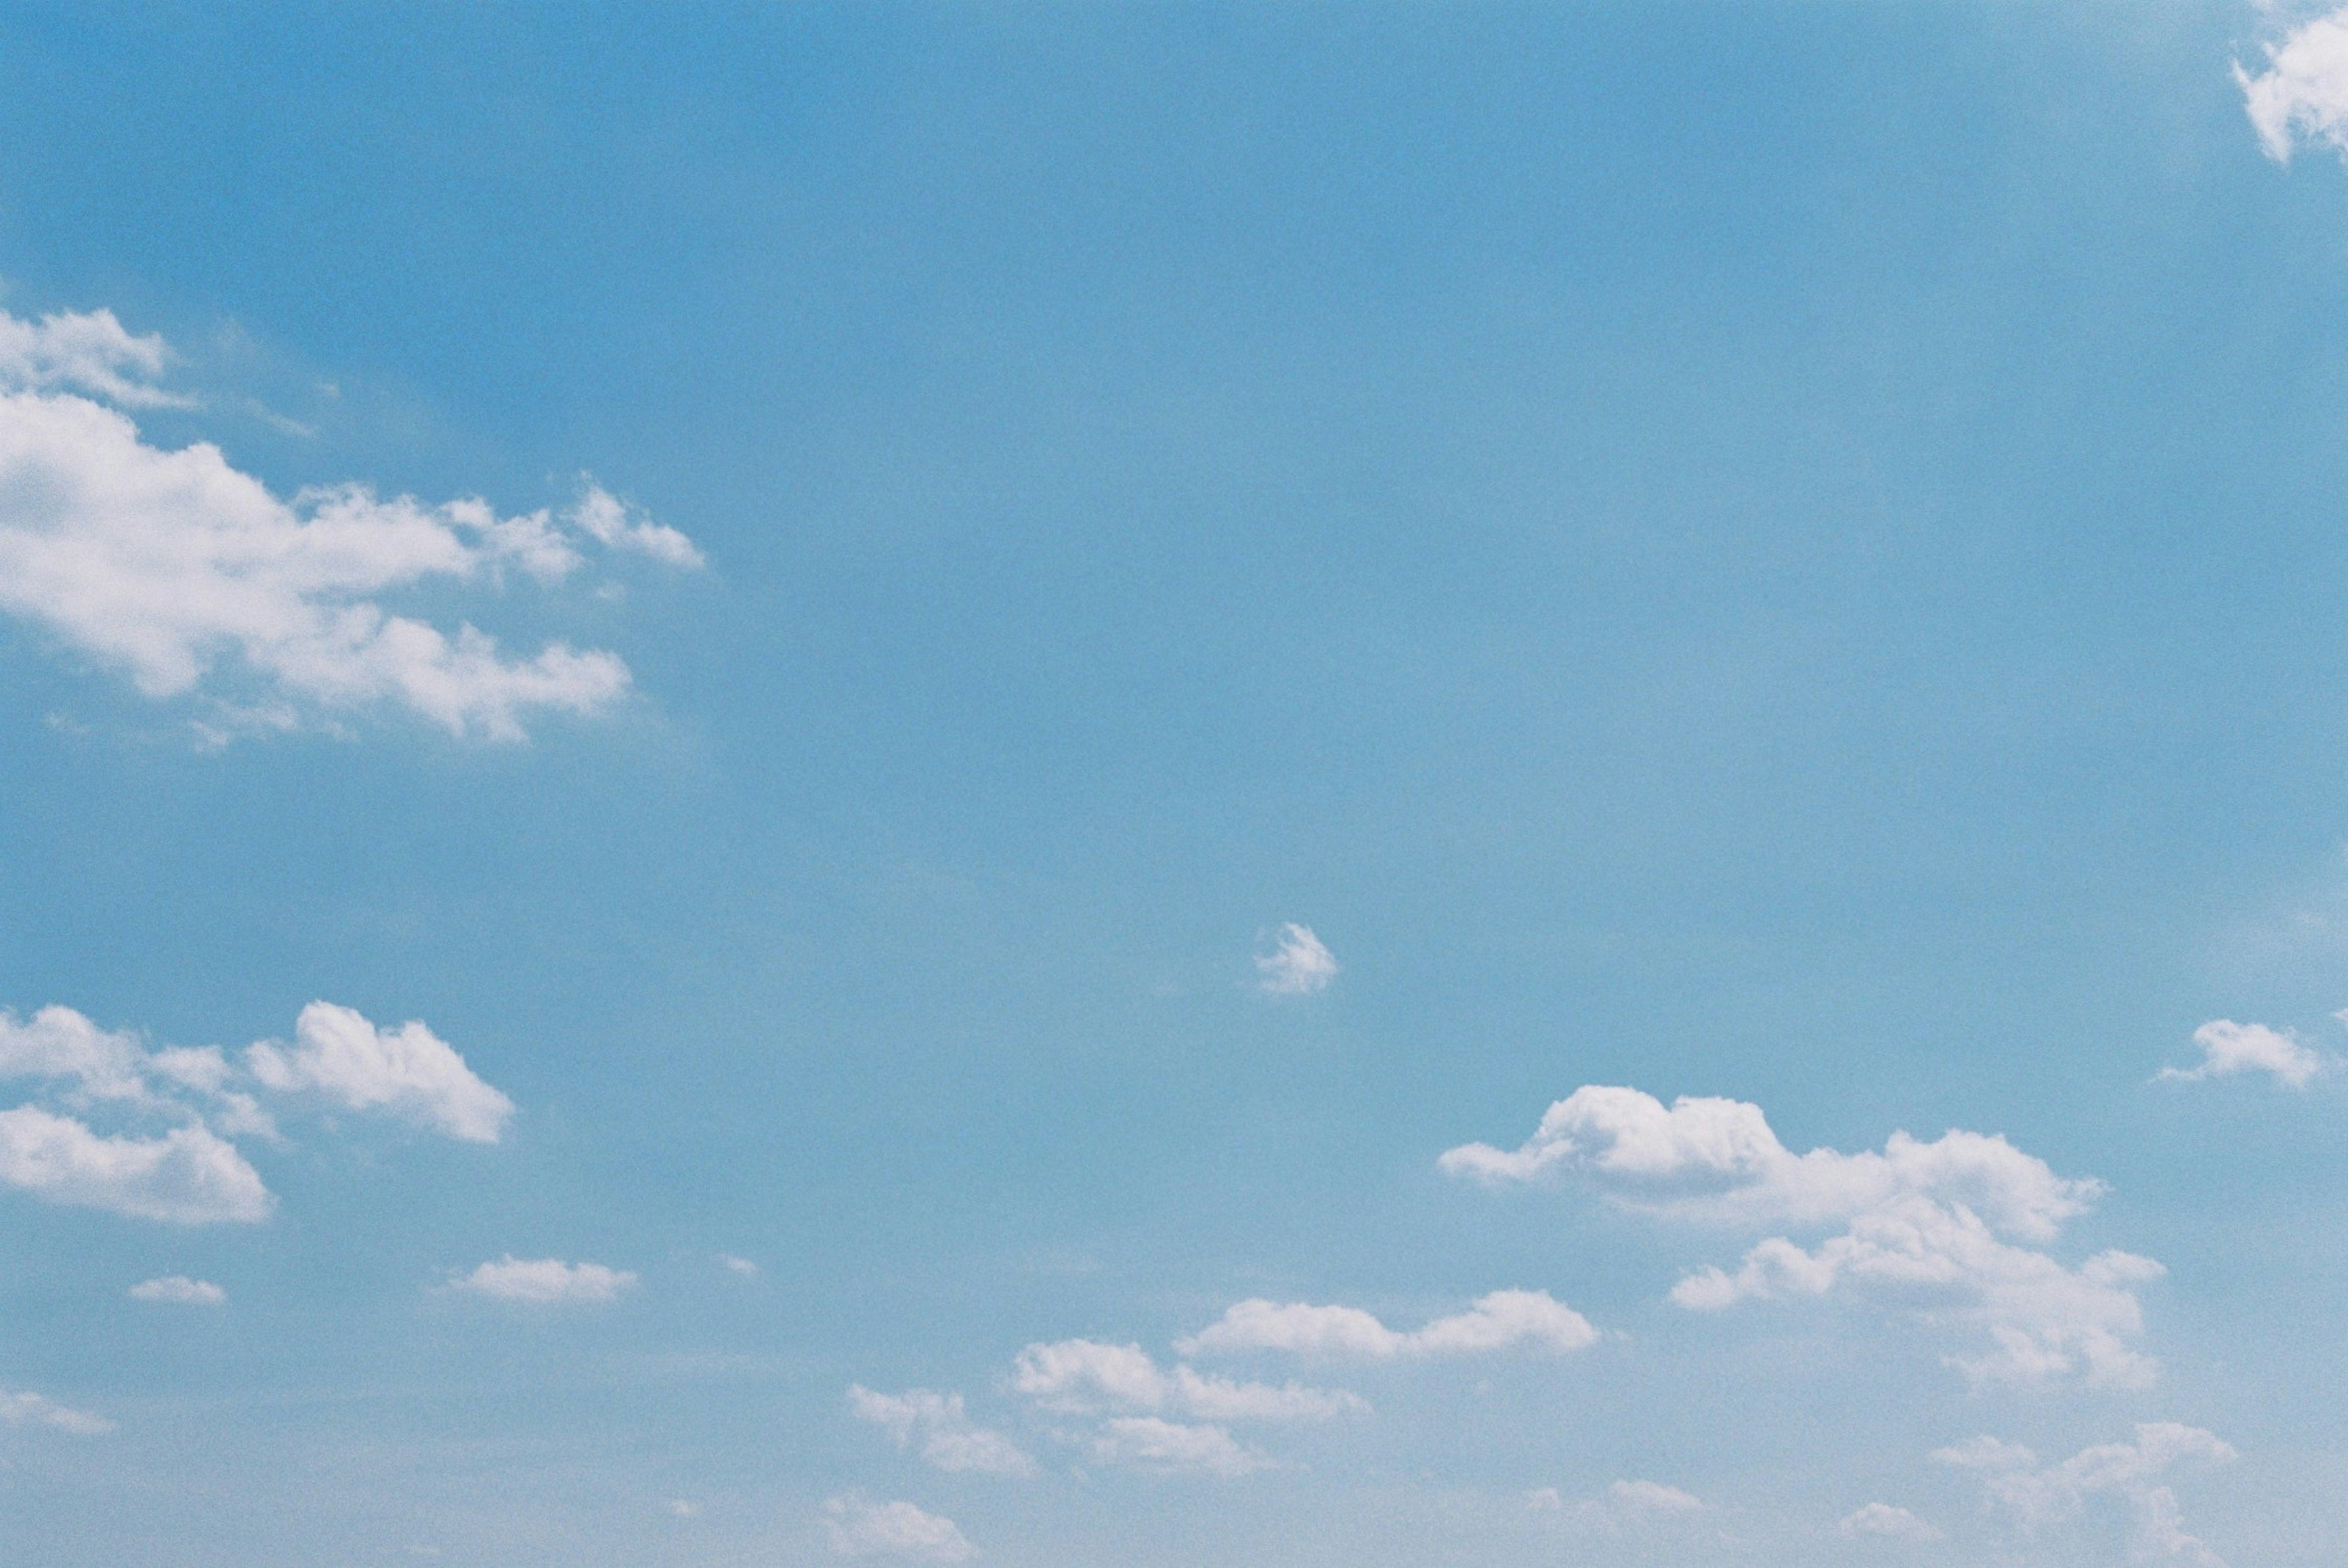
(940, 1427)
(2037, 1496)
(19, 1408)
(1298, 966)
(1886, 1520)
(1503, 1321)
(1148, 1443)
(2303, 91)
(1085, 1376)
(179, 1289)
(860, 1527)
(2228, 1049)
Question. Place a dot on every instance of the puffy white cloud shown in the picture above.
(57, 1042)
(860, 1527)
(19, 1408)
(1085, 1377)
(1503, 1321)
(180, 1289)
(2038, 1496)
(410, 1072)
(85, 351)
(939, 1423)
(1299, 966)
(1653, 1497)
(2303, 91)
(546, 1282)
(1146, 1442)
(187, 1176)
(1886, 1520)
(189, 576)
(2229, 1048)
(1953, 1227)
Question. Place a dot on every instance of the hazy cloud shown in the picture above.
(860, 1527)
(20, 1408)
(2037, 1496)
(942, 1430)
(180, 1289)
(1146, 1442)
(1885, 1520)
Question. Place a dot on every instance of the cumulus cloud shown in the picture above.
(860, 1527)
(546, 1282)
(1503, 1321)
(1086, 1377)
(1299, 966)
(2229, 1048)
(186, 1176)
(191, 577)
(2303, 91)
(409, 1071)
(180, 1290)
(1885, 1520)
(22, 1408)
(1954, 1228)
(943, 1431)
(1146, 1442)
(2037, 1496)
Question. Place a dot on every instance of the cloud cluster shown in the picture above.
(1299, 966)
(2303, 91)
(860, 1527)
(943, 1429)
(2037, 1496)
(2228, 1049)
(168, 1152)
(191, 577)
(546, 1282)
(1503, 1321)
(1126, 1384)
(1956, 1227)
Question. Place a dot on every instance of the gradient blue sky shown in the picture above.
(1787, 554)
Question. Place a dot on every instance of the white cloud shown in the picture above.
(180, 1289)
(2229, 1048)
(741, 1265)
(2303, 91)
(1299, 966)
(1953, 1227)
(943, 1430)
(1886, 1520)
(546, 1281)
(860, 1527)
(410, 1072)
(1653, 1497)
(187, 1176)
(1503, 1321)
(2037, 1497)
(18, 1407)
(57, 1042)
(191, 577)
(1146, 1442)
(1085, 1376)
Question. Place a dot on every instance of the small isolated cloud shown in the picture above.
(1083, 1376)
(1503, 1321)
(741, 1265)
(2229, 1048)
(1883, 1519)
(943, 1430)
(547, 1282)
(1299, 966)
(860, 1527)
(1955, 1228)
(192, 577)
(2303, 91)
(1147, 1443)
(409, 1071)
(1653, 1497)
(2037, 1497)
(180, 1290)
(683, 1508)
(21, 1408)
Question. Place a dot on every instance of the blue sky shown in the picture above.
(1173, 786)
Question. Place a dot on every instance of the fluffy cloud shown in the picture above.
(1146, 1442)
(1086, 1377)
(2229, 1048)
(178, 1109)
(1299, 966)
(1506, 1319)
(1954, 1226)
(944, 1431)
(1885, 1520)
(409, 1071)
(19, 1408)
(2303, 91)
(860, 1527)
(189, 576)
(2037, 1497)
(180, 1289)
(546, 1282)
